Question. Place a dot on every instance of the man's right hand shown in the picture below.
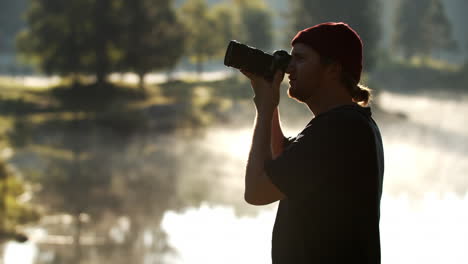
(266, 93)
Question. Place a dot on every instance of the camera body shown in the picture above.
(243, 57)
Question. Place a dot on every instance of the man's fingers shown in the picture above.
(278, 78)
(247, 74)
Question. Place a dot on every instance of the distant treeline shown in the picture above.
(94, 37)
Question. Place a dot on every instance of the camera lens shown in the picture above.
(241, 56)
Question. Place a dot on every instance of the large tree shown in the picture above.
(256, 25)
(54, 38)
(209, 28)
(75, 174)
(202, 43)
(422, 28)
(153, 38)
(72, 37)
(99, 37)
(362, 15)
(227, 25)
(77, 167)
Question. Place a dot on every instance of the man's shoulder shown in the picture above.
(347, 113)
(347, 117)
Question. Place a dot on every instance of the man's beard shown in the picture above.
(297, 95)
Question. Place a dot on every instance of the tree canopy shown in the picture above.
(256, 24)
(203, 42)
(152, 38)
(99, 37)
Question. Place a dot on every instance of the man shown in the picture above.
(328, 178)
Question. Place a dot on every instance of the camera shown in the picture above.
(243, 57)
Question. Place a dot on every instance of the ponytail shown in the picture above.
(360, 93)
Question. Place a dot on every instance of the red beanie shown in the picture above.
(337, 41)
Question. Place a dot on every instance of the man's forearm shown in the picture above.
(277, 136)
(259, 152)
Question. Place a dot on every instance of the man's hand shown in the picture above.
(266, 93)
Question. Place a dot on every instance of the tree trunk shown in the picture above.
(76, 150)
(75, 80)
(77, 239)
(141, 81)
(101, 39)
(74, 60)
(100, 76)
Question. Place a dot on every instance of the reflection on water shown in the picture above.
(424, 203)
(428, 152)
(216, 235)
(16, 253)
(431, 231)
(425, 191)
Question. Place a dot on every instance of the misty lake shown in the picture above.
(424, 210)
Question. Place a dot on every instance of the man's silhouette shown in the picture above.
(328, 178)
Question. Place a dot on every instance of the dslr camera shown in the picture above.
(250, 59)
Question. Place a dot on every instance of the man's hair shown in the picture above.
(361, 94)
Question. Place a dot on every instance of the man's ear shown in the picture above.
(335, 70)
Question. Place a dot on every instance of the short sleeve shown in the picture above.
(317, 160)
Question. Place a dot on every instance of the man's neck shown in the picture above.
(328, 102)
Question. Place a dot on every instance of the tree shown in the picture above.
(105, 15)
(227, 25)
(210, 28)
(422, 28)
(53, 40)
(255, 24)
(361, 15)
(153, 38)
(72, 37)
(77, 156)
(202, 43)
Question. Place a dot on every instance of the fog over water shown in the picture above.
(429, 151)
(424, 204)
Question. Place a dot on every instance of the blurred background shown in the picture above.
(123, 138)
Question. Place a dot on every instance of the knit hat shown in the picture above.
(337, 41)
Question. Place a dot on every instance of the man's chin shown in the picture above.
(294, 94)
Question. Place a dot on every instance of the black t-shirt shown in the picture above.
(332, 175)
